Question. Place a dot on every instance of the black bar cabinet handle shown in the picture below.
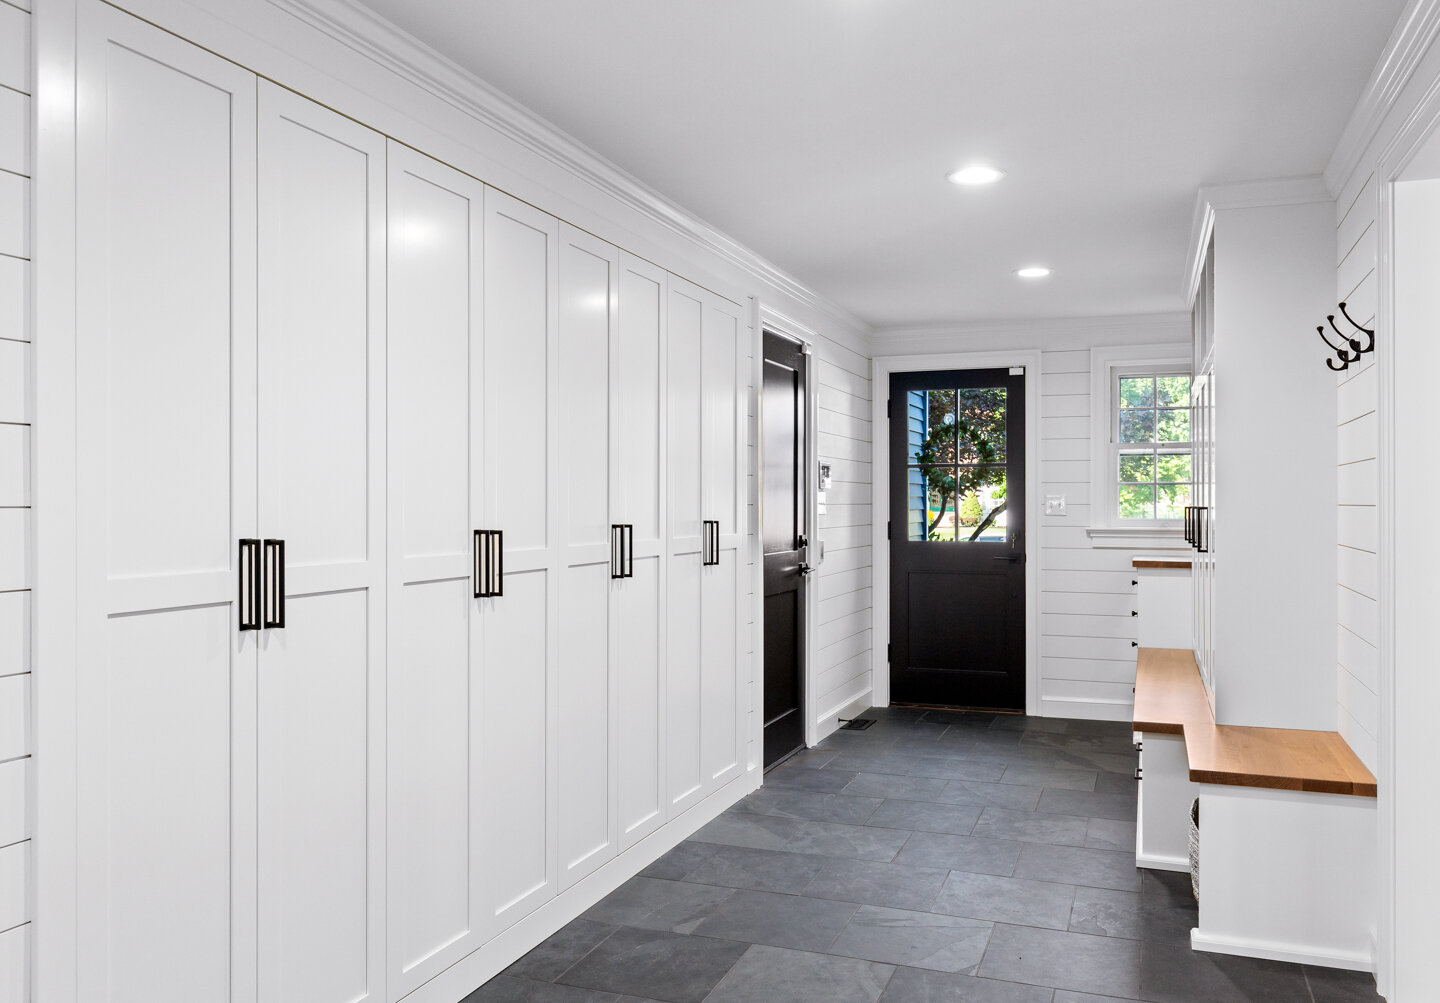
(249, 569)
(710, 554)
(489, 563)
(1187, 523)
(629, 549)
(1201, 544)
(617, 551)
(497, 540)
(274, 575)
(477, 563)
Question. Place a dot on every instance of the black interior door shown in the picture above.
(783, 533)
(957, 538)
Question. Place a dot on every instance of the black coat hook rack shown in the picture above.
(1350, 348)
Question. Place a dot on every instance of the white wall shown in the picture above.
(1087, 661)
(15, 497)
(840, 654)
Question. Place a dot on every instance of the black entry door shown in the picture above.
(957, 538)
(783, 533)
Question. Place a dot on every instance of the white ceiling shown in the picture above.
(818, 132)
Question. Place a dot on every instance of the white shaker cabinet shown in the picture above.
(165, 426)
(434, 685)
(519, 775)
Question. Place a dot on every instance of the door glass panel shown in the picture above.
(956, 464)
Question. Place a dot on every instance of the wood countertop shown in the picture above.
(1153, 562)
(1170, 699)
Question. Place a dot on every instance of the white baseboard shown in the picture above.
(506, 947)
(1089, 710)
(1158, 863)
(1297, 954)
(830, 720)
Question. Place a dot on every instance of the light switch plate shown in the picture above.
(1054, 504)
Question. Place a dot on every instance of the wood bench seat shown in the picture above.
(1170, 699)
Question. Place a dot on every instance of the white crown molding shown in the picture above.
(1414, 32)
(1049, 334)
(1243, 195)
(365, 32)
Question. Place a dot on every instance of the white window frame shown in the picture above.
(1107, 365)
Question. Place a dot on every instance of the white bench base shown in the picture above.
(1162, 826)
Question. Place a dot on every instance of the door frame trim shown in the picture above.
(881, 369)
(792, 330)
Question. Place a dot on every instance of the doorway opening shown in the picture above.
(957, 538)
(785, 536)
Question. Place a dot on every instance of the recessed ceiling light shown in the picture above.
(975, 174)
(1033, 272)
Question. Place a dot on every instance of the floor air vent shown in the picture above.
(857, 724)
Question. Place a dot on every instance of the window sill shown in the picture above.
(1136, 538)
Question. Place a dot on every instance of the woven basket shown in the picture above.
(1195, 849)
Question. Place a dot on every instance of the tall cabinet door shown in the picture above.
(322, 488)
(637, 499)
(684, 770)
(165, 418)
(520, 625)
(591, 553)
(433, 685)
(722, 444)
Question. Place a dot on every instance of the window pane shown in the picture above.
(931, 500)
(1137, 391)
(1137, 466)
(1174, 425)
(1137, 501)
(981, 514)
(1172, 467)
(1137, 426)
(1172, 391)
(981, 412)
(1170, 500)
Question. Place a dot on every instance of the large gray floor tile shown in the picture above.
(1079, 865)
(874, 882)
(917, 985)
(744, 867)
(506, 989)
(976, 792)
(1180, 975)
(1103, 965)
(763, 832)
(962, 853)
(1330, 985)
(827, 781)
(1124, 782)
(658, 904)
(926, 816)
(1006, 900)
(809, 805)
(897, 764)
(835, 839)
(803, 924)
(1031, 826)
(655, 965)
(1110, 834)
(1044, 776)
(1106, 912)
(561, 950)
(884, 785)
(680, 860)
(773, 975)
(918, 939)
(1070, 996)
(1089, 804)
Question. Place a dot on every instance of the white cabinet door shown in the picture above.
(165, 419)
(520, 629)
(433, 685)
(584, 737)
(322, 491)
(684, 779)
(637, 647)
(723, 442)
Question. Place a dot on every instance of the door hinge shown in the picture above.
(888, 648)
(887, 408)
(887, 530)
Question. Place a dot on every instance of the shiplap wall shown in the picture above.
(1358, 445)
(840, 651)
(15, 413)
(1087, 661)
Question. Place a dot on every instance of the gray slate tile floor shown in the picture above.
(937, 857)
